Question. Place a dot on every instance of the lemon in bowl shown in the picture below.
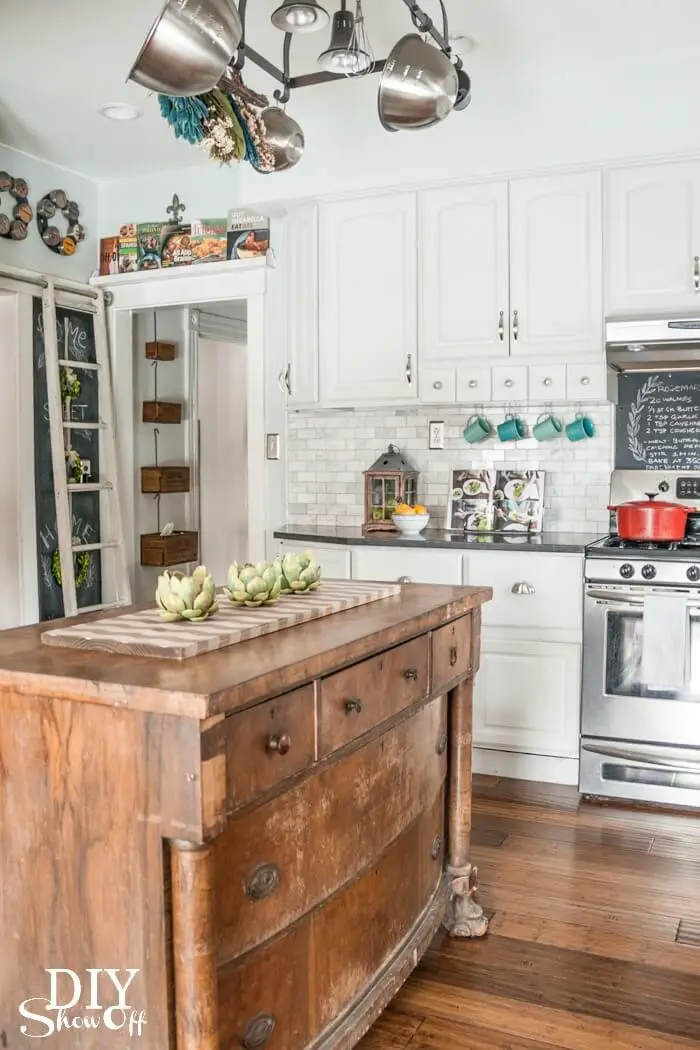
(410, 520)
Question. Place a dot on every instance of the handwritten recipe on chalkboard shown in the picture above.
(658, 421)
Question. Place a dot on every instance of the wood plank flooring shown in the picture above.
(595, 933)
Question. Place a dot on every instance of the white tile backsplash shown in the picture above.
(329, 449)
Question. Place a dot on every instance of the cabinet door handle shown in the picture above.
(501, 326)
(411, 674)
(437, 385)
(547, 381)
(405, 579)
(257, 1032)
(262, 882)
(473, 384)
(284, 380)
(522, 588)
(436, 847)
(453, 655)
(585, 380)
(696, 273)
(353, 707)
(516, 326)
(508, 383)
(409, 368)
(279, 744)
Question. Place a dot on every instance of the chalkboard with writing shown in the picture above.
(76, 341)
(658, 421)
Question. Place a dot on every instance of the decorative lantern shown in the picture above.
(390, 480)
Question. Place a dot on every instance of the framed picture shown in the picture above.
(495, 501)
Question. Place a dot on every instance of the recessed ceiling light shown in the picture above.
(119, 111)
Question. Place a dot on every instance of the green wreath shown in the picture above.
(81, 567)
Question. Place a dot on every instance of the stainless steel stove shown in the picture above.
(640, 741)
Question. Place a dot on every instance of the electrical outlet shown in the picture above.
(436, 434)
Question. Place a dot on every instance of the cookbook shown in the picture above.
(495, 501)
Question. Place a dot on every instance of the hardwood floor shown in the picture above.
(595, 933)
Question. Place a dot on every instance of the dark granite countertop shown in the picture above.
(352, 536)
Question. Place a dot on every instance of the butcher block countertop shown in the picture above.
(232, 678)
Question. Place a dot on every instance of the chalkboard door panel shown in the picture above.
(76, 341)
(653, 237)
(658, 421)
(556, 265)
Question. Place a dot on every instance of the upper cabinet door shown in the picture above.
(463, 264)
(300, 376)
(556, 265)
(653, 238)
(367, 300)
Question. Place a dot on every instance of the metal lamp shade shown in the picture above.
(300, 16)
(189, 47)
(419, 86)
(341, 55)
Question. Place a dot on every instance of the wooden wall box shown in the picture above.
(162, 412)
(220, 845)
(176, 549)
(165, 479)
(160, 351)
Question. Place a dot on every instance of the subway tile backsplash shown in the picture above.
(328, 449)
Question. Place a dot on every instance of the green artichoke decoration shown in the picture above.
(300, 573)
(254, 585)
(181, 597)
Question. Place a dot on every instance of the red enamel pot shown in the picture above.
(651, 520)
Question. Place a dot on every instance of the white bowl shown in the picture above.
(410, 524)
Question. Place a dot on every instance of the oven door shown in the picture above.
(616, 703)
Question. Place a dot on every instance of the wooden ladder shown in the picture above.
(116, 572)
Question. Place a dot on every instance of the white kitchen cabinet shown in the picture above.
(367, 287)
(540, 590)
(556, 265)
(509, 383)
(589, 382)
(300, 374)
(653, 238)
(526, 695)
(437, 385)
(463, 272)
(474, 385)
(547, 383)
(334, 560)
(390, 564)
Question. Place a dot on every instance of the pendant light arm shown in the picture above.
(240, 59)
(425, 24)
(285, 94)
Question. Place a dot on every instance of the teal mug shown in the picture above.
(582, 427)
(511, 429)
(477, 429)
(547, 427)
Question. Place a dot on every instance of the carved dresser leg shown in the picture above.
(193, 948)
(464, 917)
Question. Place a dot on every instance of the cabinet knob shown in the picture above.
(262, 882)
(405, 579)
(280, 744)
(411, 674)
(453, 655)
(436, 847)
(547, 381)
(257, 1032)
(353, 707)
(508, 383)
(437, 385)
(522, 588)
(441, 746)
(472, 384)
(584, 380)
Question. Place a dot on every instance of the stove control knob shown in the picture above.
(648, 572)
(626, 571)
(693, 573)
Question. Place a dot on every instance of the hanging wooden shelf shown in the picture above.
(176, 549)
(162, 412)
(165, 479)
(159, 350)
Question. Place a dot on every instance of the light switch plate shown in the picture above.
(436, 434)
(272, 446)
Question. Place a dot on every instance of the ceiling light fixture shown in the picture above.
(119, 111)
(300, 16)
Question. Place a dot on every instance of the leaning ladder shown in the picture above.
(115, 574)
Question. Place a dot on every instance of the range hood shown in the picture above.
(653, 344)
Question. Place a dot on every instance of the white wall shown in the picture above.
(32, 254)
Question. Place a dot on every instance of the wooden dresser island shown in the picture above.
(256, 845)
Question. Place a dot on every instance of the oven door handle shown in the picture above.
(604, 598)
(642, 756)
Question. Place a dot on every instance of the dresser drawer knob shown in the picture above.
(263, 881)
(353, 707)
(258, 1031)
(442, 743)
(436, 847)
(523, 588)
(411, 674)
(453, 655)
(281, 744)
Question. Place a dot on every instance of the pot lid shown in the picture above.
(652, 503)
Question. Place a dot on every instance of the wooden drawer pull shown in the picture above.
(410, 674)
(263, 881)
(281, 744)
(437, 846)
(442, 743)
(353, 707)
(258, 1031)
(453, 655)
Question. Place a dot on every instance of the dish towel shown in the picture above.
(664, 642)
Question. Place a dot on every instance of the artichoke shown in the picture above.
(300, 573)
(254, 585)
(181, 597)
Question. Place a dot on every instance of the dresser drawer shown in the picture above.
(509, 383)
(276, 862)
(530, 590)
(355, 700)
(251, 752)
(452, 653)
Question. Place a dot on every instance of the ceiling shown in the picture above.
(53, 82)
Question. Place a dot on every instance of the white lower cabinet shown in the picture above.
(390, 564)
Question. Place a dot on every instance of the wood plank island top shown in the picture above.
(232, 678)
